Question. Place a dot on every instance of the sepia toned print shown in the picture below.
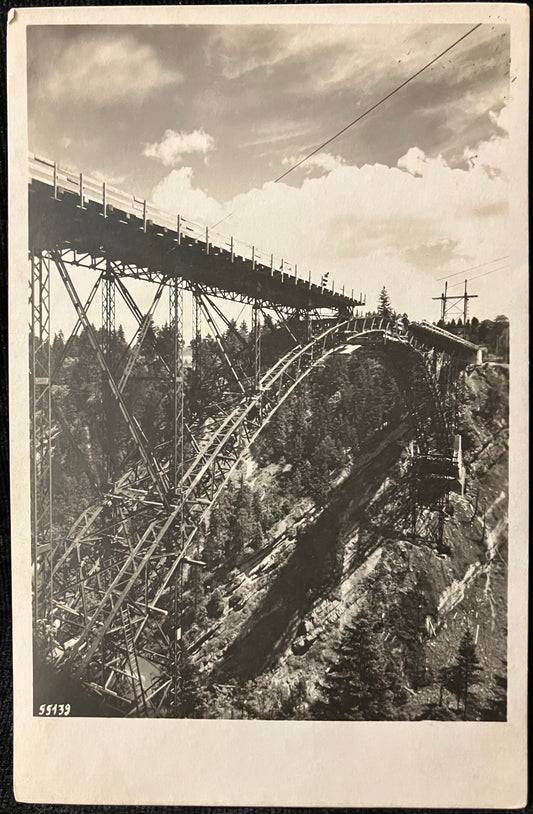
(273, 287)
(294, 505)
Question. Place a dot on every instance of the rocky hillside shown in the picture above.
(271, 628)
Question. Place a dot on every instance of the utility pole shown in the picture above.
(455, 304)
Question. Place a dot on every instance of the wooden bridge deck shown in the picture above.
(91, 218)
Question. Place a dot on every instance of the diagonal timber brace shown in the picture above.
(112, 573)
(203, 301)
(138, 339)
(137, 313)
(75, 331)
(156, 475)
(160, 527)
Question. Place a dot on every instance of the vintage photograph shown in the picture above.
(271, 294)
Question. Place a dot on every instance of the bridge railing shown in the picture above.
(91, 189)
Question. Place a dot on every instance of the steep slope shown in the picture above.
(285, 606)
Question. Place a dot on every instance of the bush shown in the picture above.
(215, 606)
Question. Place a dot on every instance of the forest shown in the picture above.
(378, 661)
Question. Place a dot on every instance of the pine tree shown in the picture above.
(328, 452)
(450, 679)
(243, 497)
(362, 685)
(58, 344)
(468, 666)
(217, 536)
(257, 536)
(278, 434)
(384, 306)
(242, 530)
(459, 677)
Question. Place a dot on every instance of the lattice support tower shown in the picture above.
(41, 436)
(256, 339)
(178, 458)
(121, 568)
(197, 355)
(108, 340)
(455, 305)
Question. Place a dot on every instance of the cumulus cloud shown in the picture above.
(173, 146)
(113, 180)
(417, 164)
(105, 71)
(177, 193)
(493, 154)
(321, 161)
(375, 225)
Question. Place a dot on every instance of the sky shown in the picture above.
(201, 120)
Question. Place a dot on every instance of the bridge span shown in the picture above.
(94, 220)
(109, 581)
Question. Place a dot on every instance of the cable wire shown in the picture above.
(363, 115)
(473, 268)
(501, 268)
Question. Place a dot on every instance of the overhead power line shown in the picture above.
(492, 271)
(473, 268)
(376, 105)
(362, 115)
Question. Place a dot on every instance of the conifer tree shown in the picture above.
(362, 685)
(459, 677)
(242, 530)
(257, 535)
(58, 344)
(469, 667)
(384, 306)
